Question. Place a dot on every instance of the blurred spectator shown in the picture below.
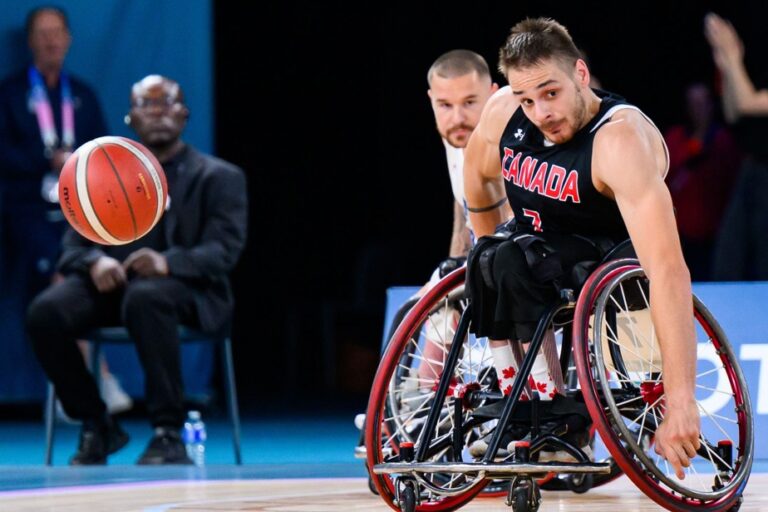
(742, 248)
(45, 113)
(703, 167)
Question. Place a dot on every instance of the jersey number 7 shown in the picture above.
(533, 214)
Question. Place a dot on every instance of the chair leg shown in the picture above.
(50, 418)
(96, 363)
(231, 392)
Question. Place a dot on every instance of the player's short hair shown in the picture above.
(37, 11)
(458, 63)
(535, 40)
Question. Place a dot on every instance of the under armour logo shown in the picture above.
(519, 134)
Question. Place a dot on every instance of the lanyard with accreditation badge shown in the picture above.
(44, 113)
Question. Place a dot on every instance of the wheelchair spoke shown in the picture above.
(615, 341)
(421, 407)
(666, 465)
(445, 328)
(715, 390)
(708, 372)
(443, 349)
(629, 318)
(421, 357)
(642, 425)
(656, 418)
(418, 380)
(469, 357)
(625, 311)
(715, 455)
(401, 425)
(712, 417)
(414, 398)
(625, 368)
(626, 379)
(427, 360)
(646, 409)
(625, 402)
(691, 470)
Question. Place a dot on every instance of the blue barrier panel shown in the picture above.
(742, 311)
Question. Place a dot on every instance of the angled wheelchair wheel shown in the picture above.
(404, 391)
(418, 367)
(620, 372)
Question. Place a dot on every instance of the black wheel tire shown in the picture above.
(408, 498)
(579, 483)
(520, 499)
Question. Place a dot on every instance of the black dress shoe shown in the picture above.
(97, 440)
(165, 447)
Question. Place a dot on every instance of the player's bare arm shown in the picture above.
(483, 184)
(629, 163)
(460, 239)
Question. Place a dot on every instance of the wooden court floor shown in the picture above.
(310, 495)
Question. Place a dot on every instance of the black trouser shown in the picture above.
(150, 308)
(513, 307)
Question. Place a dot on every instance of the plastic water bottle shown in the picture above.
(194, 438)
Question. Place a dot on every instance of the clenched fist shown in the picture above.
(107, 274)
(146, 263)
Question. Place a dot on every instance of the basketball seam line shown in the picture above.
(152, 175)
(84, 199)
(125, 194)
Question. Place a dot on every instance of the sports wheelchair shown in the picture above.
(418, 434)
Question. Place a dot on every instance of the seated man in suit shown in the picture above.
(176, 274)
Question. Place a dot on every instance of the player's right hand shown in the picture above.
(107, 274)
(678, 438)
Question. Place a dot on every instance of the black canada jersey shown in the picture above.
(549, 186)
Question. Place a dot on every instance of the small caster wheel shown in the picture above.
(520, 500)
(535, 498)
(525, 497)
(407, 497)
(579, 483)
(737, 506)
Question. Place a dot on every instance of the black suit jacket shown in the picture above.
(205, 232)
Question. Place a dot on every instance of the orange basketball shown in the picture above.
(112, 190)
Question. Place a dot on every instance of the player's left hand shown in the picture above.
(146, 263)
(678, 437)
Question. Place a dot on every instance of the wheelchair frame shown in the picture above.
(410, 464)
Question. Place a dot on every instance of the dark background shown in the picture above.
(326, 109)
